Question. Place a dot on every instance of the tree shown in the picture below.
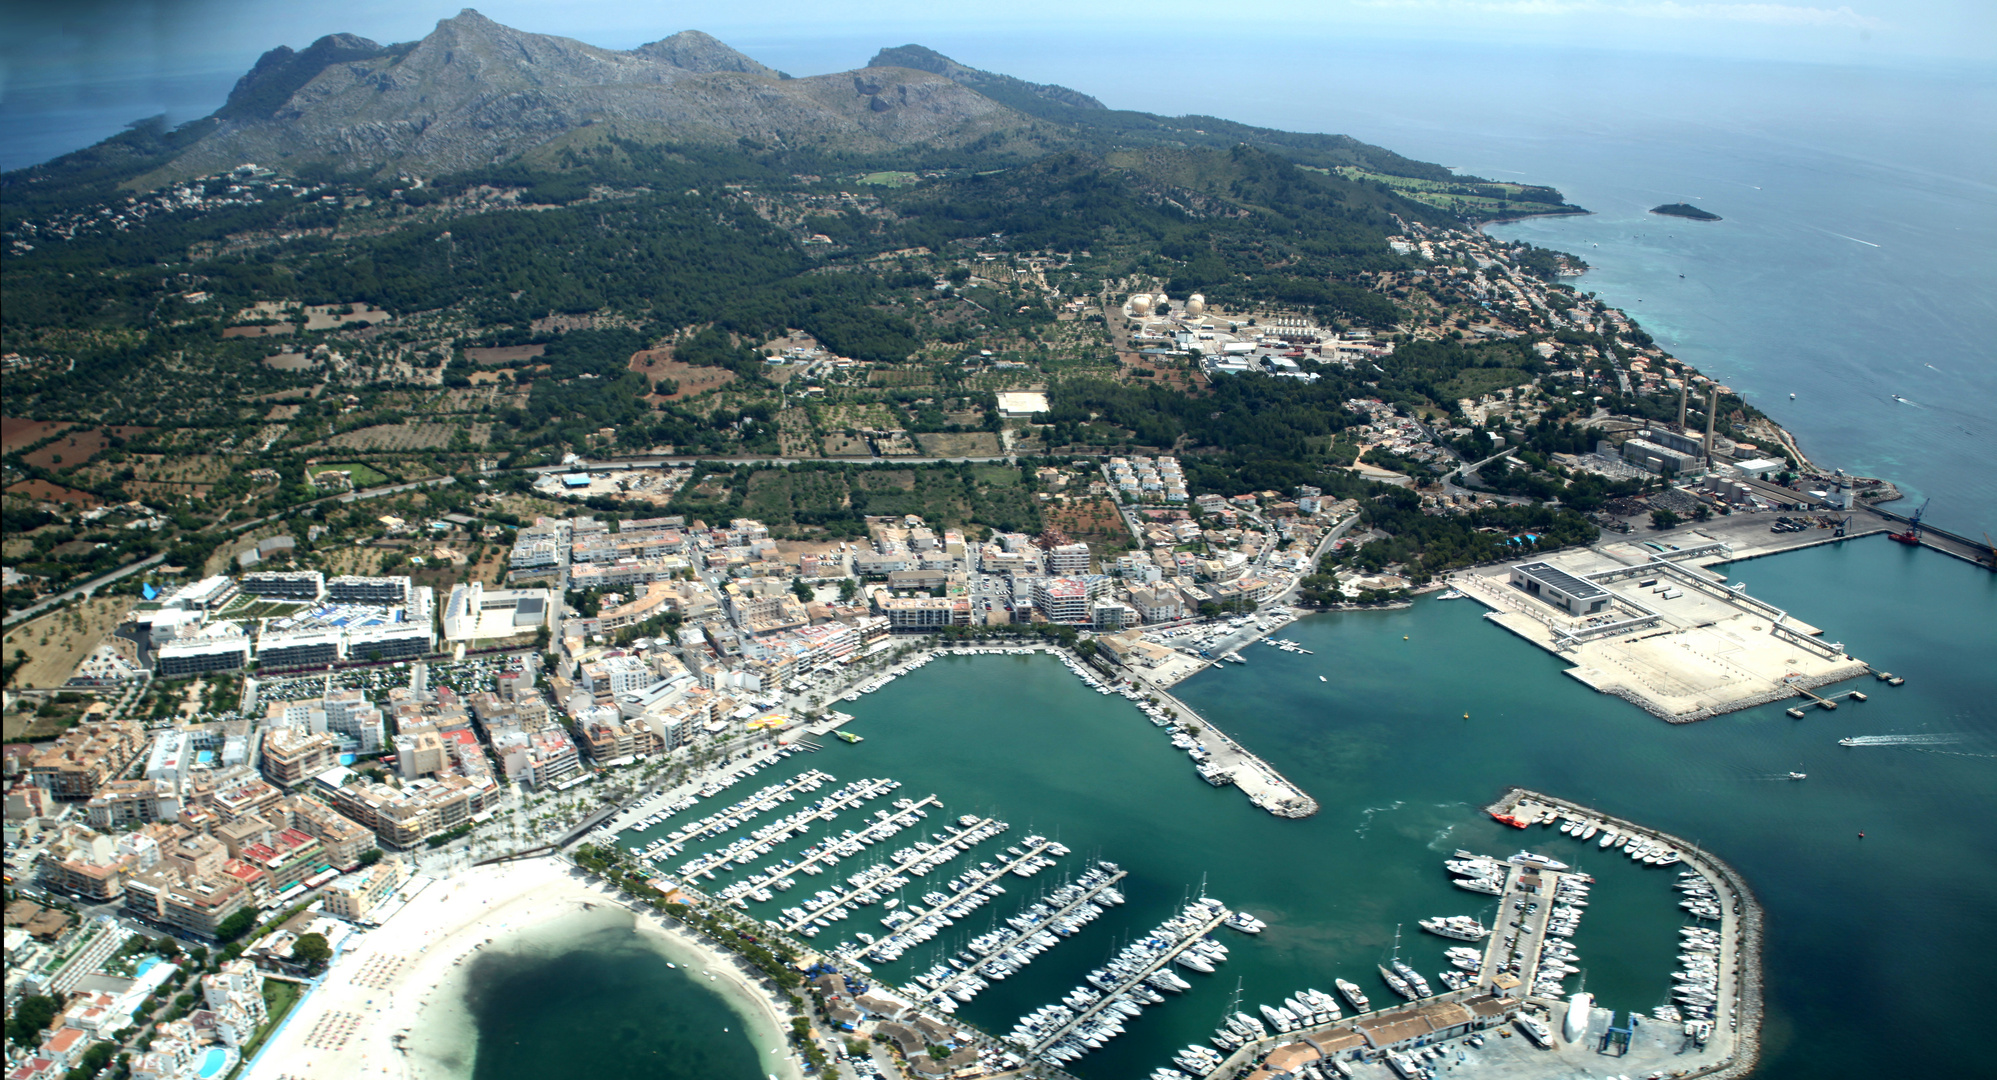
(33, 1014)
(312, 950)
(848, 589)
(235, 926)
(370, 856)
(802, 591)
(1664, 519)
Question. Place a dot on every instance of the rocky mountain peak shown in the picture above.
(1004, 88)
(695, 51)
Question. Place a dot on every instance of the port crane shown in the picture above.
(1913, 534)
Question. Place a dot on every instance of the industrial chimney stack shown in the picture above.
(1712, 410)
(1683, 389)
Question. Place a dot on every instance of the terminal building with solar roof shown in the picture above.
(1563, 590)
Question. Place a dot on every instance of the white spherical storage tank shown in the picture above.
(1140, 304)
(1196, 304)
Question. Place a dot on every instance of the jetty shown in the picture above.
(902, 817)
(1733, 1037)
(1017, 937)
(1259, 780)
(1215, 914)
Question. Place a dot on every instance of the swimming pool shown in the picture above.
(213, 1063)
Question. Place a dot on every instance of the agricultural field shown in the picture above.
(889, 179)
(963, 444)
(857, 416)
(504, 354)
(405, 436)
(658, 365)
(43, 491)
(1094, 522)
(78, 446)
(838, 444)
(362, 475)
(1478, 381)
(1488, 197)
(55, 642)
(19, 432)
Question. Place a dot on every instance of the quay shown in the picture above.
(1019, 936)
(1501, 949)
(1375, 1045)
(1659, 629)
(1264, 786)
(1149, 968)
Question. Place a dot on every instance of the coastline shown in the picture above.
(401, 986)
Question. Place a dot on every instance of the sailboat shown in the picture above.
(1395, 979)
(1231, 1034)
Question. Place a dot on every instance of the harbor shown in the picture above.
(970, 727)
(1654, 625)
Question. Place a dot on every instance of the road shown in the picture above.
(687, 461)
(89, 587)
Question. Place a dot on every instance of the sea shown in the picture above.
(1852, 269)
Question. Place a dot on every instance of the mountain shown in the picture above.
(474, 94)
(1003, 88)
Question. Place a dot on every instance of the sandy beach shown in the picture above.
(407, 978)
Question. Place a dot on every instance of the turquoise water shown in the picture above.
(212, 1062)
(600, 1004)
(1880, 934)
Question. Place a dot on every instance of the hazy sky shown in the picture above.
(75, 71)
(43, 41)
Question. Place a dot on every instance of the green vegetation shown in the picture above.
(1470, 196)
(362, 475)
(235, 926)
(30, 1018)
(1685, 210)
(312, 950)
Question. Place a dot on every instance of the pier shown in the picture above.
(1501, 948)
(905, 865)
(901, 818)
(861, 792)
(1019, 936)
(1264, 786)
(937, 915)
(1145, 971)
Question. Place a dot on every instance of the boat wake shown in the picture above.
(1900, 740)
(1366, 815)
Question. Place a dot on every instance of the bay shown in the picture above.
(1865, 936)
(591, 996)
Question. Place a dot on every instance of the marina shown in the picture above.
(999, 954)
(1091, 1015)
(944, 727)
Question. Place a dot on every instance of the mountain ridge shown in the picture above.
(474, 93)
